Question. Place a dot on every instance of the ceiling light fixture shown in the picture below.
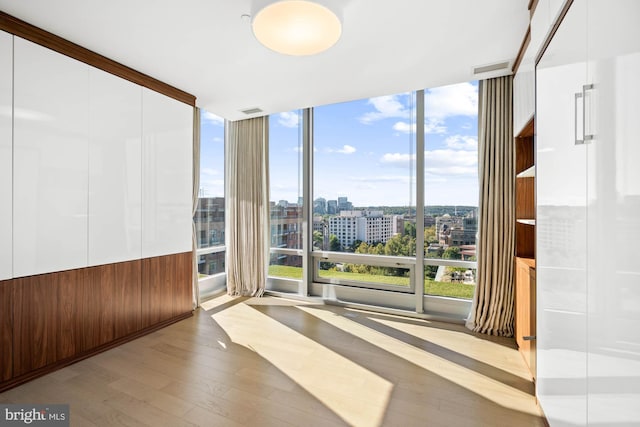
(297, 27)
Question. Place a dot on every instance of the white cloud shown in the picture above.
(455, 100)
(218, 139)
(216, 120)
(386, 107)
(397, 158)
(451, 162)
(439, 162)
(461, 142)
(346, 149)
(289, 119)
(431, 126)
(404, 127)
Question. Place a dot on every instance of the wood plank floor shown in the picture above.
(276, 362)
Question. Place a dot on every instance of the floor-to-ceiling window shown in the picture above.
(209, 217)
(391, 192)
(364, 186)
(285, 188)
(451, 189)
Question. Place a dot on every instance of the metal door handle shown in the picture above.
(577, 96)
(529, 338)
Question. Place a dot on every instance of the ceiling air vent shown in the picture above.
(491, 67)
(251, 111)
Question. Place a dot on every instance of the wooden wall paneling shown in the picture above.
(151, 291)
(183, 282)
(166, 287)
(6, 330)
(127, 298)
(68, 312)
(35, 321)
(98, 317)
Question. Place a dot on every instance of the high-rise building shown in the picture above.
(320, 206)
(332, 207)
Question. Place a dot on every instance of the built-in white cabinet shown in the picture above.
(115, 169)
(588, 217)
(50, 193)
(167, 129)
(6, 155)
(94, 169)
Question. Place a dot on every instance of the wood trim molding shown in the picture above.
(4, 386)
(44, 38)
(532, 7)
(523, 48)
(555, 27)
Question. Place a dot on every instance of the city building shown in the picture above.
(364, 225)
(209, 222)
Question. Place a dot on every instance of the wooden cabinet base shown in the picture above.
(76, 358)
(525, 311)
(52, 320)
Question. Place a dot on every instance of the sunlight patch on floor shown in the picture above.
(354, 393)
(469, 379)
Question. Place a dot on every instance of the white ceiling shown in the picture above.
(205, 48)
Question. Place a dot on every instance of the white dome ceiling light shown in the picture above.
(296, 27)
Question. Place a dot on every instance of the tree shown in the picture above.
(334, 243)
(452, 252)
(430, 234)
(410, 229)
(317, 239)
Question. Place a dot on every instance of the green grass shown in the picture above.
(449, 289)
(361, 277)
(285, 271)
(431, 287)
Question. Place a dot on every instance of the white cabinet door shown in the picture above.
(6, 155)
(167, 152)
(561, 223)
(115, 169)
(50, 160)
(613, 280)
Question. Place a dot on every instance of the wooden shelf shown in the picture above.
(527, 173)
(527, 221)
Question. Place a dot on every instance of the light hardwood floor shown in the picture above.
(276, 362)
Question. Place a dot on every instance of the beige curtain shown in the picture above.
(492, 308)
(248, 206)
(195, 195)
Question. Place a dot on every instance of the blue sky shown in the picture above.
(365, 150)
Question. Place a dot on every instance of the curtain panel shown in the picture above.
(493, 303)
(195, 195)
(248, 206)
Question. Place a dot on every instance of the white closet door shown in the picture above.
(115, 169)
(167, 152)
(613, 279)
(561, 224)
(6, 155)
(50, 160)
